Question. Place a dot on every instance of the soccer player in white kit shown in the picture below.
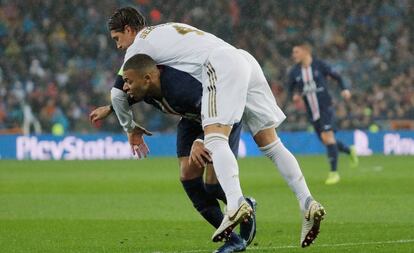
(234, 86)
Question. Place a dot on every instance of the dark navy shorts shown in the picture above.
(326, 122)
(188, 131)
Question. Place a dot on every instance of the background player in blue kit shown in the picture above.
(186, 103)
(307, 79)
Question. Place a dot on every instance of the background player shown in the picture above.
(307, 79)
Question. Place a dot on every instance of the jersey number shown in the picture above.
(184, 30)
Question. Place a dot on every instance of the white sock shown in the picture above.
(226, 168)
(289, 168)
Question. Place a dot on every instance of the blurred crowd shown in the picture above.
(58, 62)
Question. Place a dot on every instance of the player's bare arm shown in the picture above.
(100, 113)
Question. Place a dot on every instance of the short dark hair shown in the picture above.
(305, 45)
(139, 62)
(126, 16)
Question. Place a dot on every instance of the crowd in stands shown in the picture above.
(58, 62)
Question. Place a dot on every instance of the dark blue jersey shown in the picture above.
(311, 83)
(181, 94)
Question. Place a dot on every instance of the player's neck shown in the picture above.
(155, 91)
(307, 62)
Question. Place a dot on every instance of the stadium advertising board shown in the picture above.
(106, 146)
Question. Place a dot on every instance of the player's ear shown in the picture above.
(127, 29)
(147, 77)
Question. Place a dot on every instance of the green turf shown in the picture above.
(139, 206)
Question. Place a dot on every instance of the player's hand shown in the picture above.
(199, 155)
(346, 94)
(100, 113)
(136, 139)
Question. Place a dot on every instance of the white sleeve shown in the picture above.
(122, 109)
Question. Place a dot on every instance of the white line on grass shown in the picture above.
(333, 245)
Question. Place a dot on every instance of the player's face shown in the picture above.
(124, 39)
(136, 84)
(298, 54)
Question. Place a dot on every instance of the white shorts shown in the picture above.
(234, 86)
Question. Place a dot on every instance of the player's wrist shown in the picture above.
(111, 108)
(199, 140)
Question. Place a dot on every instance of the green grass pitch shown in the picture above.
(140, 206)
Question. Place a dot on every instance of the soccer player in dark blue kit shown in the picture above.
(308, 79)
(186, 103)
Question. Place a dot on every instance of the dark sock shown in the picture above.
(216, 191)
(205, 204)
(342, 147)
(234, 237)
(332, 151)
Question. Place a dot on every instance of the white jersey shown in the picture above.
(177, 45)
(232, 80)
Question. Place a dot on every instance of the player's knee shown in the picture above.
(265, 137)
(328, 138)
(214, 141)
(188, 172)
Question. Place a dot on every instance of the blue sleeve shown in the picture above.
(328, 71)
(119, 82)
(291, 83)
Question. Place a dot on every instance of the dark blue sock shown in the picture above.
(342, 147)
(205, 204)
(216, 191)
(332, 150)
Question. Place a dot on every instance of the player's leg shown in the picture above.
(193, 184)
(191, 177)
(262, 116)
(325, 128)
(328, 139)
(212, 185)
(227, 172)
(342, 147)
(247, 227)
(206, 204)
(349, 150)
(272, 147)
(222, 106)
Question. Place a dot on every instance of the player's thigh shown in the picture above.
(326, 126)
(225, 81)
(187, 132)
(261, 111)
(327, 120)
